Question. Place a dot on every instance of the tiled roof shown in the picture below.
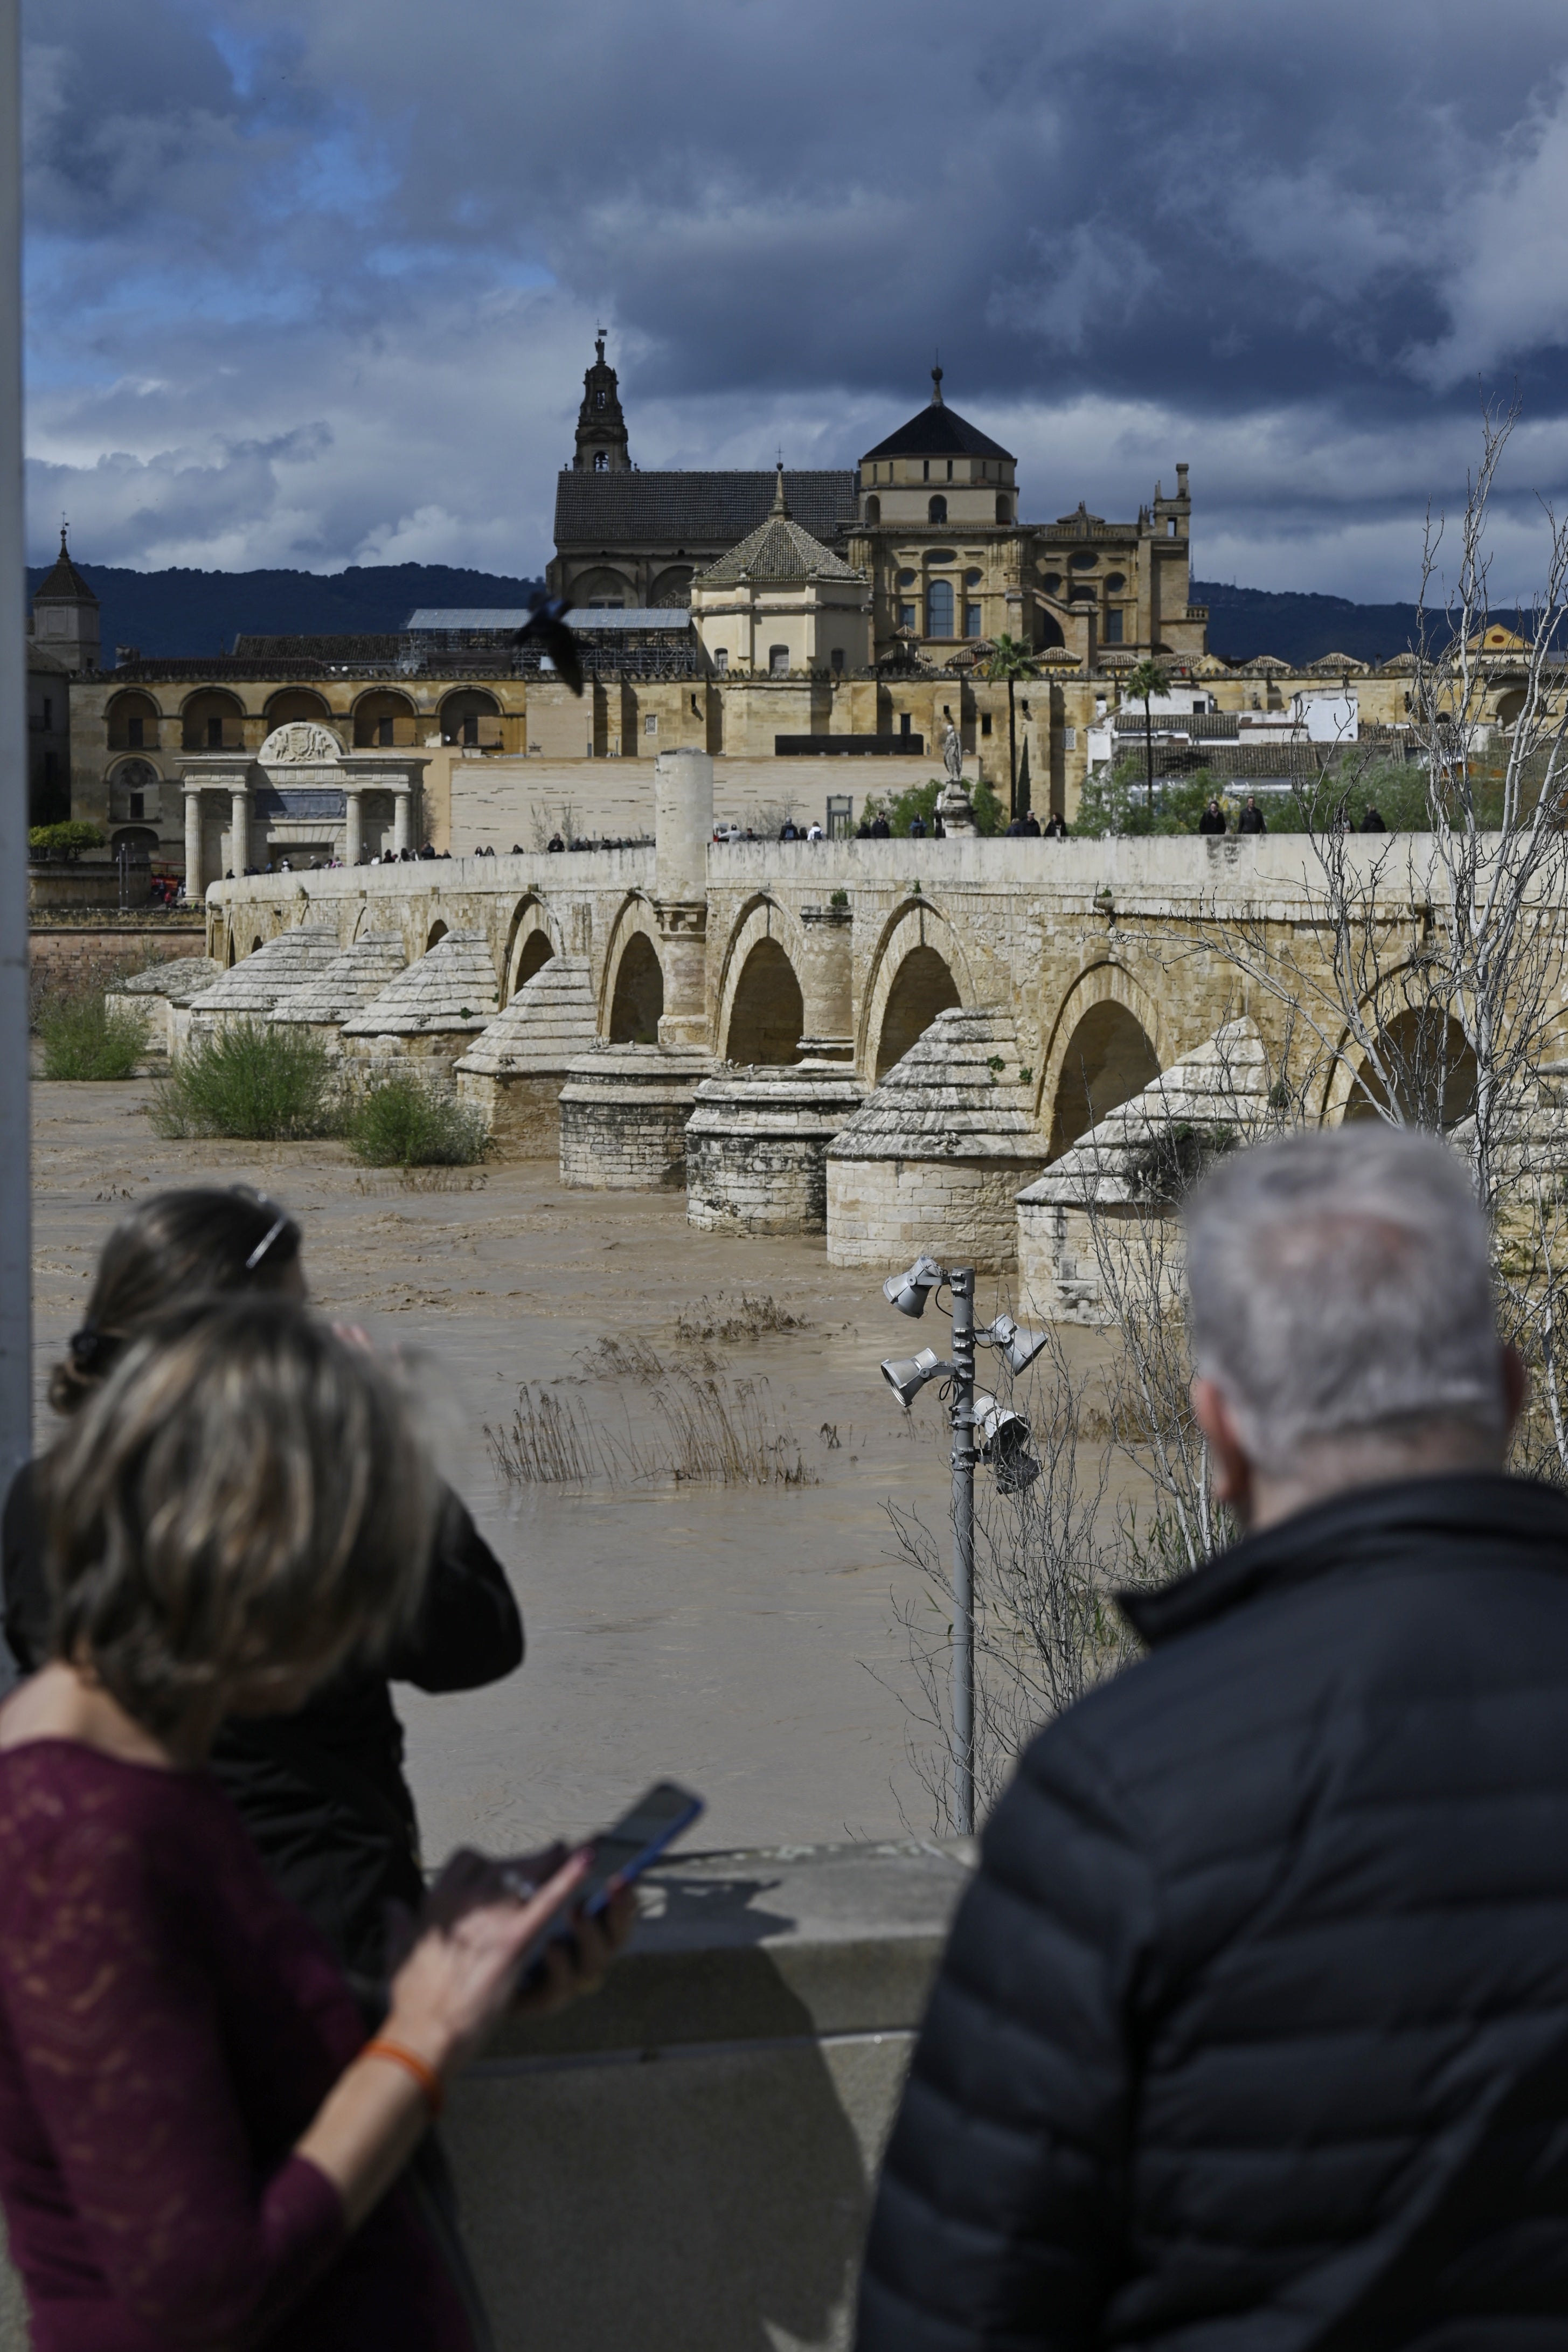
(256, 983)
(551, 1021)
(179, 980)
(697, 510)
(581, 616)
(64, 584)
(939, 431)
(453, 987)
(351, 981)
(777, 550)
(371, 647)
(944, 1101)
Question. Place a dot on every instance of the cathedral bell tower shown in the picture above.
(601, 427)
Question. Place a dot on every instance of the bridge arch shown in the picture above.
(762, 1006)
(918, 970)
(532, 938)
(1105, 1047)
(631, 995)
(1429, 1061)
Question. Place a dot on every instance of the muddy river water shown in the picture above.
(740, 1638)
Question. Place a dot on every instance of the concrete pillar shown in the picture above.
(196, 881)
(239, 830)
(353, 826)
(402, 799)
(827, 984)
(683, 830)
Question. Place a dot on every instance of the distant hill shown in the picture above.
(180, 612)
(186, 612)
(1245, 621)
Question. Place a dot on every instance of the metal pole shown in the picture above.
(962, 1282)
(15, 1252)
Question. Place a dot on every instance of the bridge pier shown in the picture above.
(683, 829)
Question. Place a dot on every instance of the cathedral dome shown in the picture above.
(937, 431)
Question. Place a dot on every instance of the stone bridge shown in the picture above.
(1107, 956)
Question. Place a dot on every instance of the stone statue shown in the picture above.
(299, 744)
(953, 805)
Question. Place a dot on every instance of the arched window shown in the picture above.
(601, 461)
(873, 509)
(939, 609)
(937, 510)
(1003, 509)
(778, 661)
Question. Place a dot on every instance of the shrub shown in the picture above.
(250, 1081)
(400, 1122)
(84, 1039)
(64, 840)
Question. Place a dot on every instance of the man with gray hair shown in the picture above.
(1253, 2027)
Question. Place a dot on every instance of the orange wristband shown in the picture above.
(424, 2075)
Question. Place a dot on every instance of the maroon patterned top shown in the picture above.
(169, 2025)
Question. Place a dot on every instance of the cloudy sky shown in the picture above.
(314, 281)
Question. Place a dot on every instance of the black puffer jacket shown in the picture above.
(323, 1791)
(1253, 2028)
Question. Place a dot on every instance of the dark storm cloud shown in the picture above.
(370, 235)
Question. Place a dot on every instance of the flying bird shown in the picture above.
(546, 621)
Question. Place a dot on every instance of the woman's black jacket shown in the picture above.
(322, 1792)
(1252, 2033)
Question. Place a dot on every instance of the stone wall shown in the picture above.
(685, 2163)
(885, 1211)
(623, 1119)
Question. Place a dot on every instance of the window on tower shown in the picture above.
(939, 609)
(601, 461)
(937, 510)
(599, 398)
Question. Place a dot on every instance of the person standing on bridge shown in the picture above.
(1212, 820)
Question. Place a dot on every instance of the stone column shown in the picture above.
(195, 881)
(402, 807)
(239, 829)
(683, 830)
(354, 826)
(827, 984)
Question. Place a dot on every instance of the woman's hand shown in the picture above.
(459, 1981)
(578, 1963)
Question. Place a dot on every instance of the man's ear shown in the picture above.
(1228, 1458)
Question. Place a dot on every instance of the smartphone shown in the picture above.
(621, 1854)
(624, 1850)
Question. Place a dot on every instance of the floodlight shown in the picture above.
(909, 1291)
(1019, 1346)
(1004, 1444)
(906, 1375)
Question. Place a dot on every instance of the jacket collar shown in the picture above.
(1356, 1530)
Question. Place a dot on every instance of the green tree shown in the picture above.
(1150, 677)
(1011, 659)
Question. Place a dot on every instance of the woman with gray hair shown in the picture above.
(198, 2143)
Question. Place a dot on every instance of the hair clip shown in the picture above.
(264, 1245)
(85, 1347)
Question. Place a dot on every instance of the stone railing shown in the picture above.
(684, 2163)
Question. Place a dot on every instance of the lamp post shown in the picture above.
(1003, 1444)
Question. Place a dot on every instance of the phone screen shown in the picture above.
(625, 1850)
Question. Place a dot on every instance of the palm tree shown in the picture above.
(1150, 677)
(1011, 659)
